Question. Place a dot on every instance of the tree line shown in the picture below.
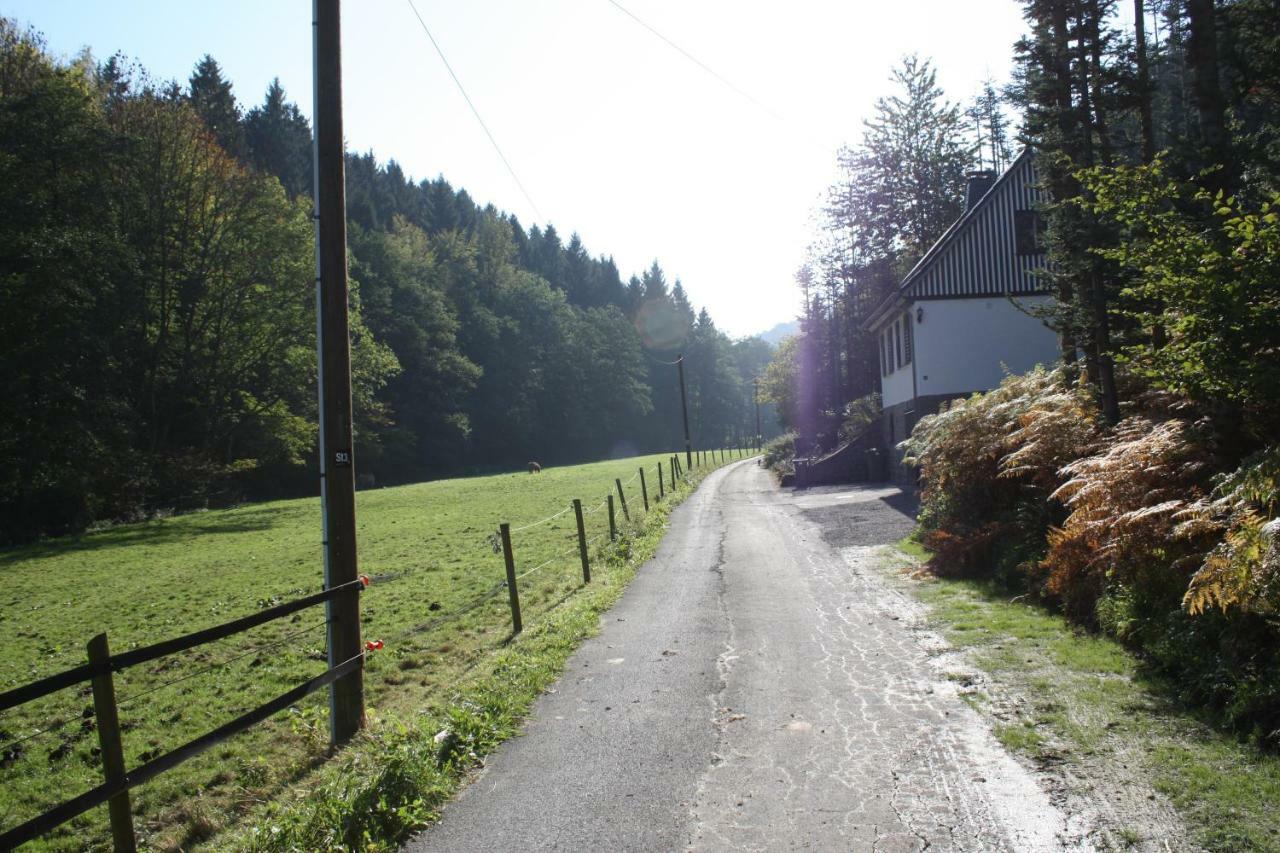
(157, 302)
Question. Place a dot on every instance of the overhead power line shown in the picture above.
(801, 133)
(698, 62)
(475, 112)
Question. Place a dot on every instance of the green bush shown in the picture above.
(859, 415)
(780, 453)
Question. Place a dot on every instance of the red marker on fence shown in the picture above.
(364, 581)
(373, 645)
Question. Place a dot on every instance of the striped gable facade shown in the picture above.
(979, 255)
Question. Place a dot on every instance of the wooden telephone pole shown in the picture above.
(684, 412)
(337, 460)
(756, 395)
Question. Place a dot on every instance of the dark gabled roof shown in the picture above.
(984, 236)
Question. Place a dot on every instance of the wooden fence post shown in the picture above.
(613, 524)
(509, 558)
(644, 490)
(622, 498)
(582, 541)
(662, 488)
(108, 725)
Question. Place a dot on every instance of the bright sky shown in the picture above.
(614, 134)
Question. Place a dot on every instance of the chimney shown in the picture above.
(979, 183)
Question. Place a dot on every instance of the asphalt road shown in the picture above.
(761, 686)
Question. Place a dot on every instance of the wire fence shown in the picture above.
(625, 517)
(533, 524)
(556, 588)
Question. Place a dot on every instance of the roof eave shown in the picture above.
(894, 301)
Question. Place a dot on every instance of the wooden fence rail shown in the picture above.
(124, 660)
(99, 670)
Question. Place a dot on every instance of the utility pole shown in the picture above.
(337, 462)
(755, 384)
(684, 411)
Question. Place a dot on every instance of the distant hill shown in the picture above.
(783, 330)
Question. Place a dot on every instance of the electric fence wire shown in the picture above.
(442, 619)
(543, 565)
(475, 112)
(7, 749)
(541, 520)
(133, 697)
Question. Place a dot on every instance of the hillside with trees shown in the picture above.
(156, 291)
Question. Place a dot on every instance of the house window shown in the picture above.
(884, 353)
(897, 343)
(1028, 232)
(906, 337)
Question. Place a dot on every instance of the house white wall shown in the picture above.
(965, 345)
(894, 344)
(896, 387)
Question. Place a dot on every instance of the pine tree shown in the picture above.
(991, 128)
(916, 151)
(210, 94)
(278, 137)
(654, 282)
(1062, 82)
(680, 300)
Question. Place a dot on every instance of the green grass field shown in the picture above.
(430, 552)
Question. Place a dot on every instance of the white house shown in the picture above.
(964, 315)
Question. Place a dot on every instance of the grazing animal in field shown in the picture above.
(534, 467)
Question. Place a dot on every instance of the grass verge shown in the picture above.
(1062, 697)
